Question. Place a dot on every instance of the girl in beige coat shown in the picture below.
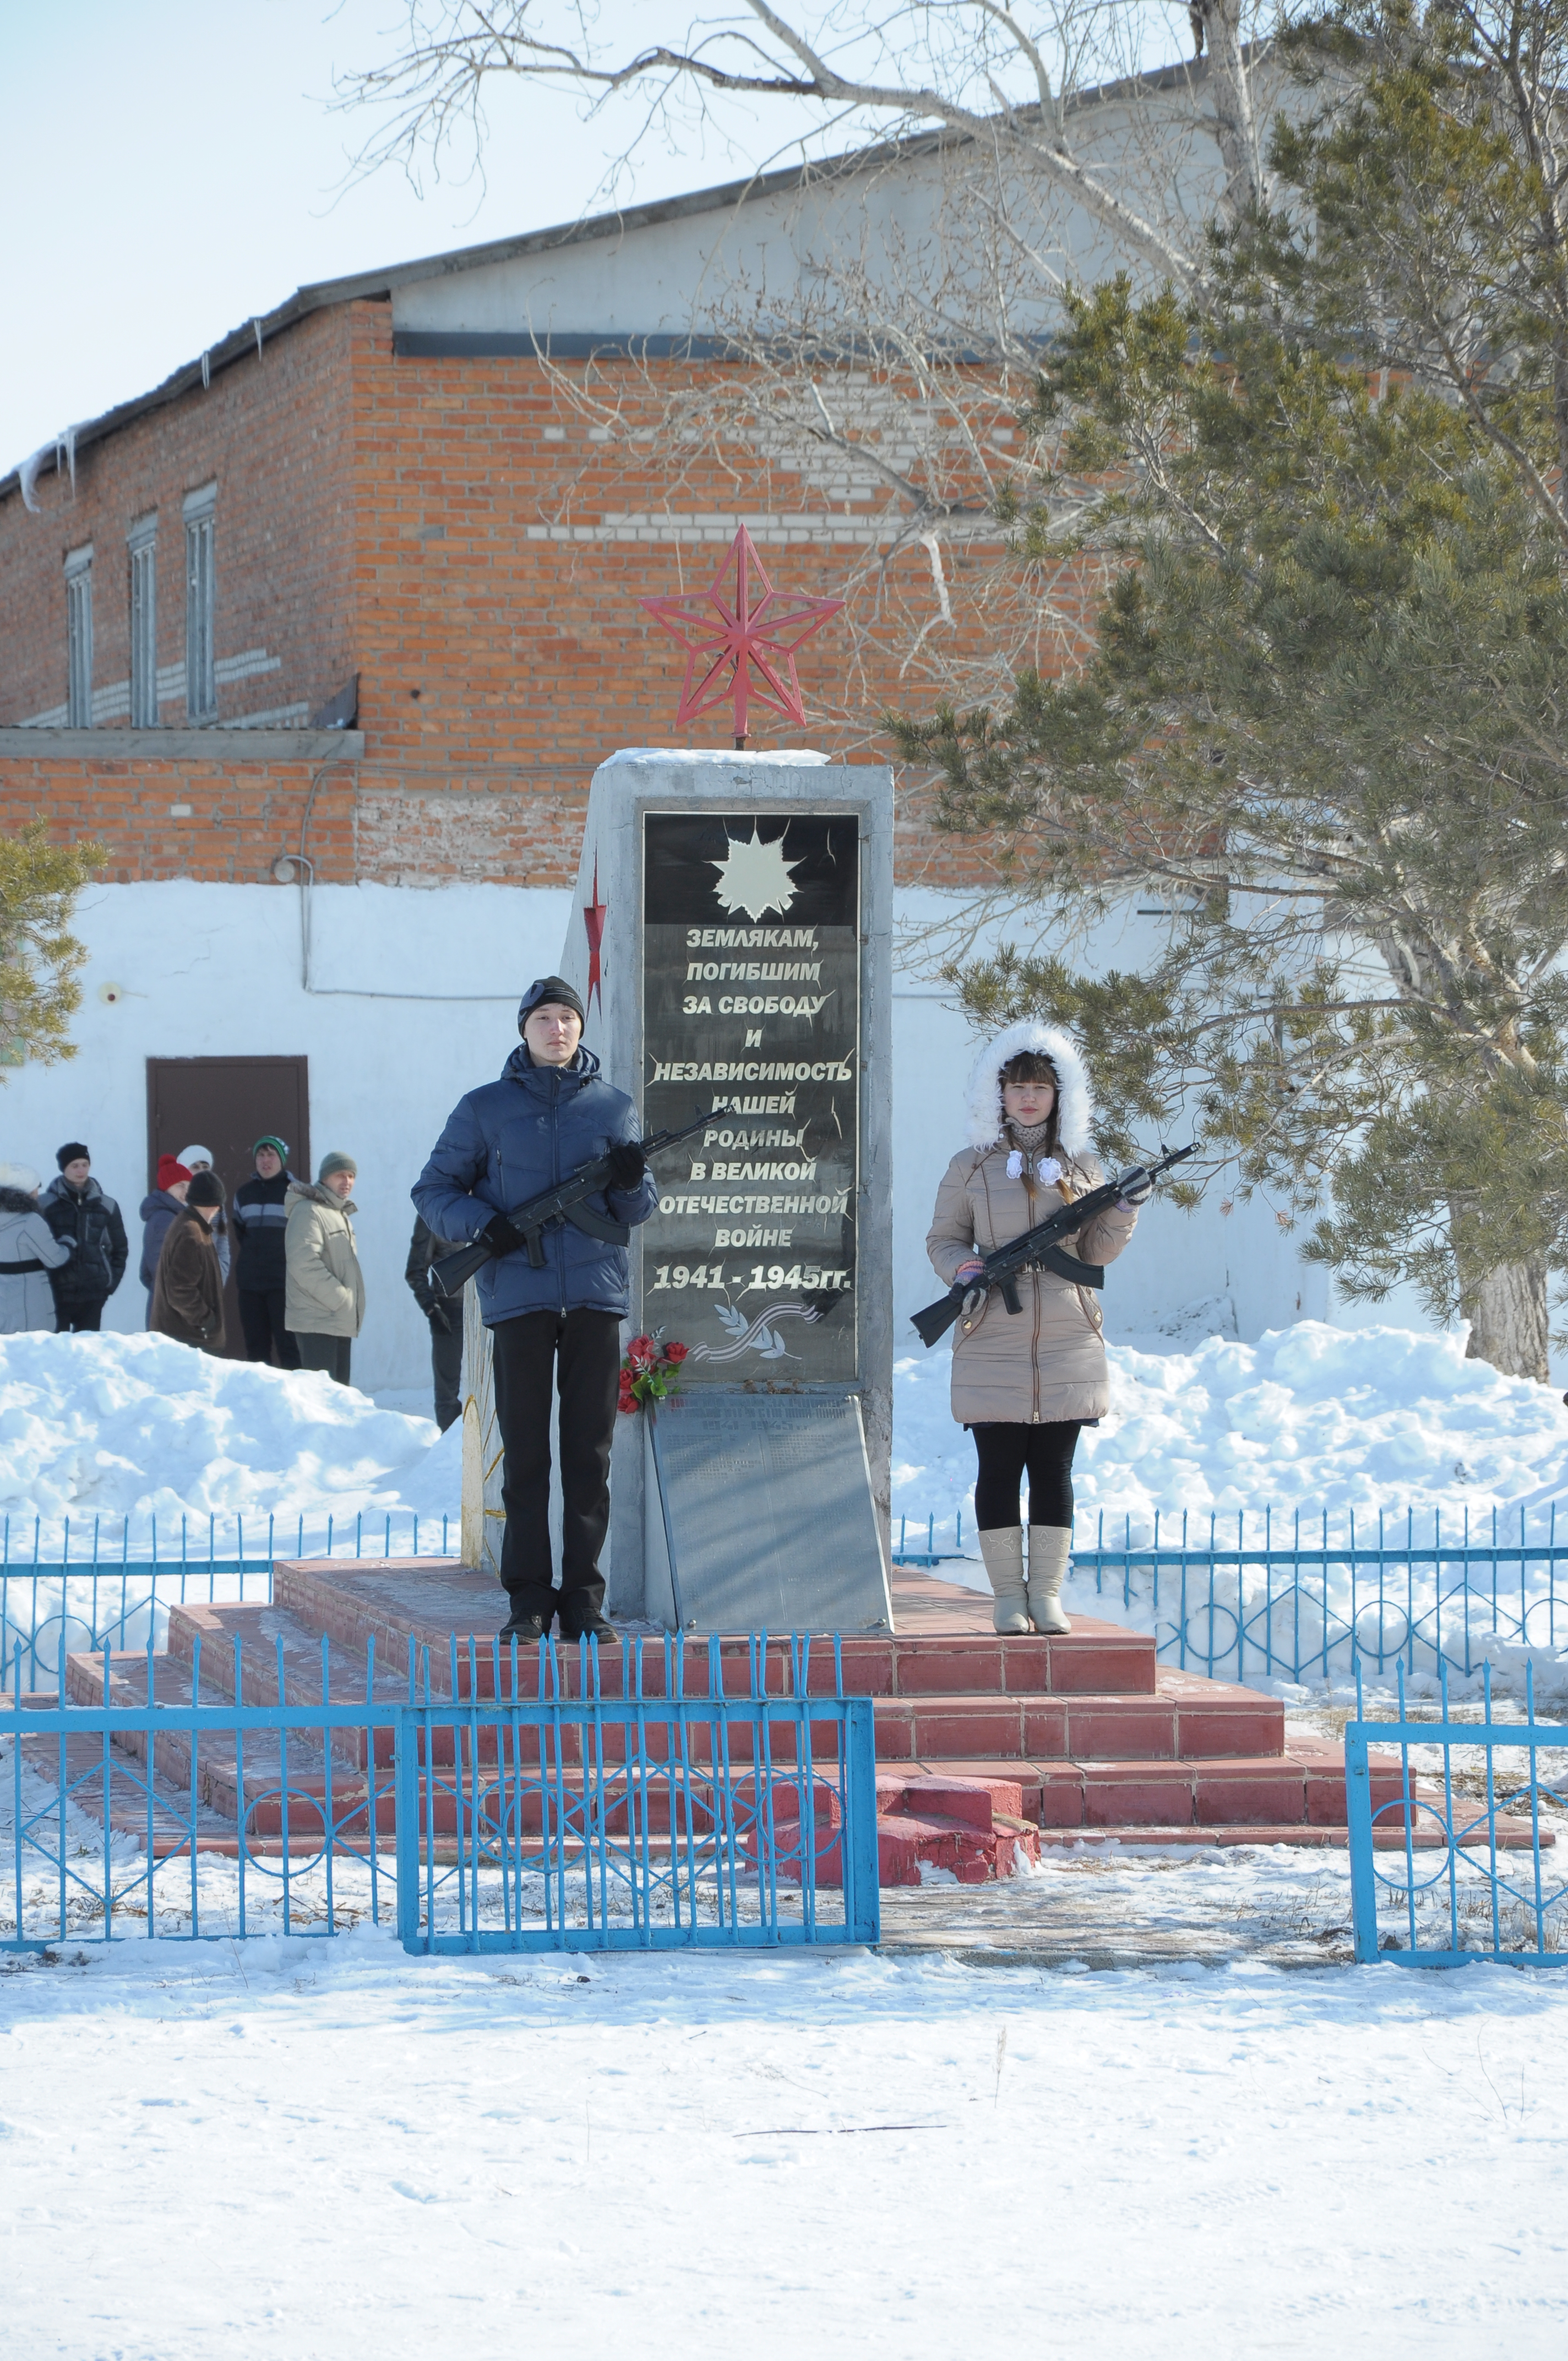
(1024, 1385)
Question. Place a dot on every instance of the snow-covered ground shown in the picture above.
(297, 2145)
(127, 1429)
(1309, 1417)
(306, 2148)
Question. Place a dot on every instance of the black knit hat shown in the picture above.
(70, 1152)
(549, 987)
(206, 1188)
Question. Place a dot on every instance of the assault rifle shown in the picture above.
(564, 1202)
(1042, 1246)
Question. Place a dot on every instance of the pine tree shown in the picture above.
(1325, 717)
(39, 955)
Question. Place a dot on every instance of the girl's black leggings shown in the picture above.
(1005, 1453)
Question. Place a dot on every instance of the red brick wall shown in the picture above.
(274, 432)
(362, 821)
(243, 813)
(373, 516)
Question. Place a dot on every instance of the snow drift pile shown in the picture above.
(1310, 1417)
(138, 1427)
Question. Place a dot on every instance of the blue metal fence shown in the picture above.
(568, 1800)
(88, 1586)
(711, 1820)
(905, 1552)
(1305, 1599)
(1447, 1892)
(1241, 1598)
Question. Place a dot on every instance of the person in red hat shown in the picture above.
(158, 1208)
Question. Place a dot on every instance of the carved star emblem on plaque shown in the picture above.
(740, 636)
(754, 876)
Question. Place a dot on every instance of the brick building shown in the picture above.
(322, 639)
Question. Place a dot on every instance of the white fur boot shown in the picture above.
(1050, 1546)
(1003, 1550)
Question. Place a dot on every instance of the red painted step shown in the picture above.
(988, 1747)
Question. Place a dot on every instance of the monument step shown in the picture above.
(962, 1824)
(1183, 1718)
(1018, 1742)
(455, 1614)
(276, 1653)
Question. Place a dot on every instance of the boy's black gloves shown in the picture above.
(626, 1165)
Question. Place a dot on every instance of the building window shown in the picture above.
(143, 549)
(201, 680)
(79, 638)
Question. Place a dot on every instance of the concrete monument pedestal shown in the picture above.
(732, 940)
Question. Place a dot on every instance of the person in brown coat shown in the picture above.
(188, 1291)
(1024, 1386)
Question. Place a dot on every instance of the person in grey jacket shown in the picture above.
(29, 1252)
(323, 1298)
(550, 1111)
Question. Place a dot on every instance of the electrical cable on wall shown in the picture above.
(302, 864)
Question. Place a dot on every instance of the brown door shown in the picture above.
(225, 1103)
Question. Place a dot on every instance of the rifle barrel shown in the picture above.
(936, 1318)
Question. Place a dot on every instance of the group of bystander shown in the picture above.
(63, 1252)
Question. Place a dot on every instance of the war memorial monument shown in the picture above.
(730, 937)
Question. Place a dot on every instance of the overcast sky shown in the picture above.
(171, 167)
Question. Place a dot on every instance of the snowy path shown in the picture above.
(311, 2150)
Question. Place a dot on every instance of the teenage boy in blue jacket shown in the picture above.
(549, 1113)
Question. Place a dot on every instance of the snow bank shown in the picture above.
(138, 1427)
(1310, 1417)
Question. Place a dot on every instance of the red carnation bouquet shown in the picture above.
(651, 1371)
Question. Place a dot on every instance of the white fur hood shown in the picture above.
(982, 1099)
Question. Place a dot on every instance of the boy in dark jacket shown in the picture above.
(549, 1113)
(76, 1208)
(259, 1219)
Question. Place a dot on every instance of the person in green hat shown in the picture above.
(259, 1213)
(324, 1292)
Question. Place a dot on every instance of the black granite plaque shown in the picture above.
(751, 999)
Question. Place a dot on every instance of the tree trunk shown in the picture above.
(1235, 123)
(1506, 1312)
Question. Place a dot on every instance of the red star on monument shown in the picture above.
(741, 638)
(594, 915)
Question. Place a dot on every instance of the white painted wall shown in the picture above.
(209, 970)
(204, 971)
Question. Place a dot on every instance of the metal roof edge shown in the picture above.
(380, 285)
